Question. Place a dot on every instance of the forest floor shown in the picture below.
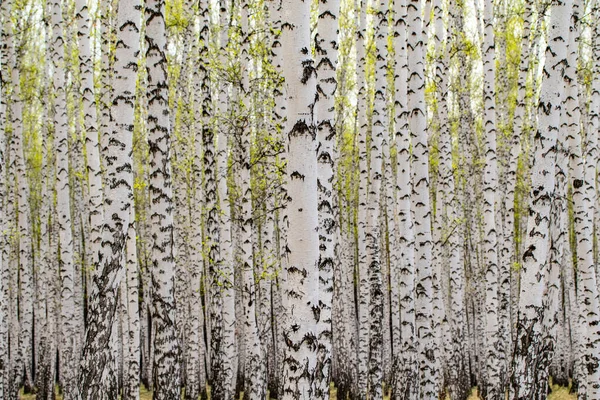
(558, 393)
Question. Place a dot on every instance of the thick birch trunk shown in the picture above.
(300, 277)
(532, 349)
(97, 358)
(583, 176)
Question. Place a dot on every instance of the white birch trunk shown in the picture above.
(373, 228)
(46, 281)
(362, 128)
(300, 277)
(93, 191)
(594, 119)
(131, 364)
(68, 327)
(457, 358)
(327, 58)
(225, 373)
(97, 358)
(24, 290)
(494, 387)
(223, 324)
(166, 362)
(255, 365)
(3, 264)
(408, 379)
(208, 164)
(196, 367)
(583, 176)
(508, 251)
(428, 375)
(530, 361)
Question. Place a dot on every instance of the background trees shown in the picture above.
(272, 195)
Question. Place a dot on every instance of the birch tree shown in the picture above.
(428, 377)
(223, 317)
(300, 290)
(90, 127)
(531, 356)
(265, 223)
(196, 364)
(3, 268)
(118, 200)
(22, 285)
(327, 57)
(490, 183)
(373, 229)
(583, 175)
(68, 332)
(362, 128)
(407, 382)
(166, 363)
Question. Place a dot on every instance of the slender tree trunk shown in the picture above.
(373, 228)
(457, 369)
(131, 330)
(223, 323)
(327, 58)
(93, 191)
(407, 381)
(494, 387)
(428, 379)
(68, 327)
(22, 364)
(254, 367)
(208, 165)
(13, 365)
(166, 361)
(196, 367)
(45, 322)
(508, 250)
(3, 264)
(362, 128)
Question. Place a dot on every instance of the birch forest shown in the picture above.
(300, 199)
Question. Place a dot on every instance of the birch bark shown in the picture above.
(327, 57)
(118, 200)
(531, 356)
(362, 132)
(408, 380)
(428, 375)
(68, 327)
(494, 387)
(300, 283)
(166, 362)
